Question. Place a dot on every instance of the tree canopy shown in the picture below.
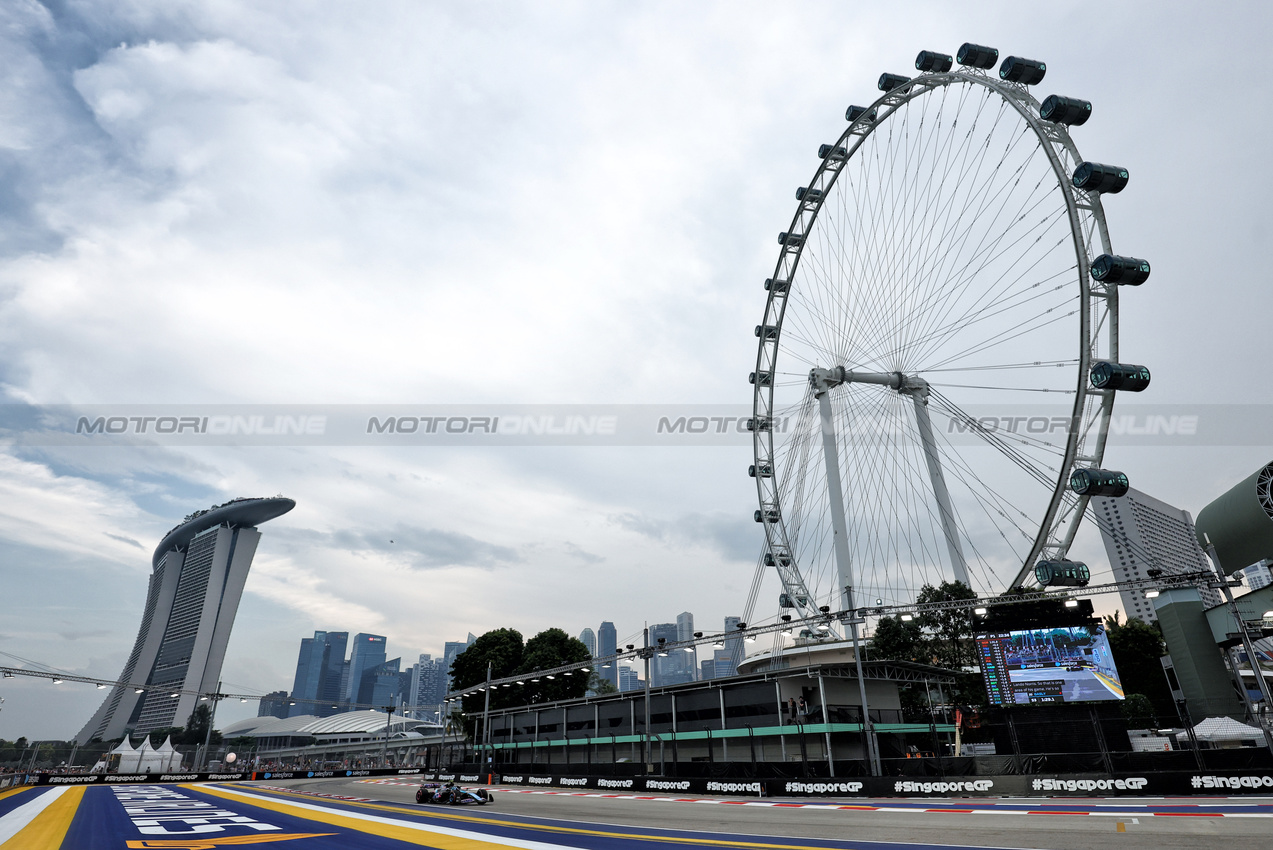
(1137, 646)
(951, 628)
(898, 640)
(504, 650)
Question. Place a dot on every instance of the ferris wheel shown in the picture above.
(938, 356)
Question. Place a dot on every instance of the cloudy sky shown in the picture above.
(223, 202)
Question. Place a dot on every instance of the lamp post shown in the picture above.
(646, 653)
(486, 715)
(384, 750)
(212, 714)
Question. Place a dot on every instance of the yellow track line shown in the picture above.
(556, 830)
(15, 790)
(49, 828)
(442, 838)
(1113, 686)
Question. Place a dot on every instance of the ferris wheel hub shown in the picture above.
(823, 380)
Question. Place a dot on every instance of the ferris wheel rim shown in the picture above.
(1060, 522)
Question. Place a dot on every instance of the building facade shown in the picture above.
(733, 646)
(273, 704)
(607, 645)
(320, 665)
(367, 654)
(197, 578)
(1257, 575)
(589, 639)
(428, 685)
(665, 665)
(629, 679)
(1143, 533)
(450, 650)
(685, 632)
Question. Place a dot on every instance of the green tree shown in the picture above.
(1139, 712)
(897, 640)
(502, 649)
(600, 685)
(1137, 646)
(554, 648)
(951, 628)
(158, 736)
(196, 728)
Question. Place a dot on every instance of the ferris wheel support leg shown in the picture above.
(947, 514)
(835, 493)
(844, 566)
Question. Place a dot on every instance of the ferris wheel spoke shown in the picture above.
(1002, 286)
(973, 220)
(985, 254)
(947, 332)
(992, 367)
(1039, 322)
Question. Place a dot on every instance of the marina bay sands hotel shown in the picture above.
(199, 571)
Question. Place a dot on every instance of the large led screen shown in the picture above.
(1059, 664)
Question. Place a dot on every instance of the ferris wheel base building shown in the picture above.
(200, 568)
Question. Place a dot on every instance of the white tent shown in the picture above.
(1221, 729)
(168, 759)
(144, 759)
(129, 758)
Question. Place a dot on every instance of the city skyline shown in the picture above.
(209, 211)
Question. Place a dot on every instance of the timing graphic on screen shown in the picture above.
(1060, 664)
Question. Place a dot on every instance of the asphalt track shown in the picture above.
(382, 815)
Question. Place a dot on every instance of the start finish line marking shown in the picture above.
(1101, 809)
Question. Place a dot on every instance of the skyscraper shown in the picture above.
(607, 644)
(316, 688)
(685, 632)
(368, 653)
(589, 639)
(665, 665)
(723, 664)
(449, 651)
(733, 646)
(383, 685)
(273, 704)
(427, 686)
(199, 569)
(629, 679)
(1141, 533)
